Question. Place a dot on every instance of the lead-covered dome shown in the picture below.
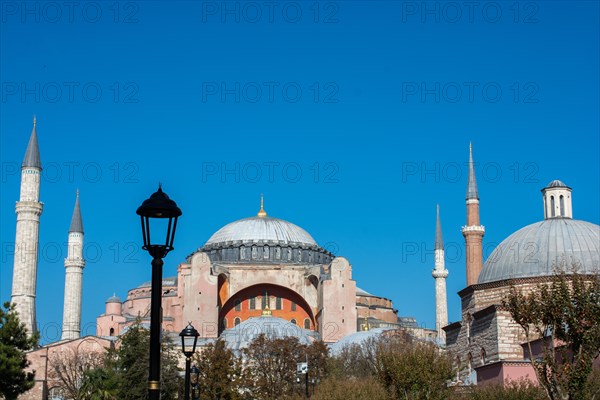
(261, 229)
(262, 239)
(538, 249)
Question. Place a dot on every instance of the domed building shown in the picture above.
(488, 344)
(251, 266)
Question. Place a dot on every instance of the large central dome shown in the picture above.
(261, 229)
(262, 239)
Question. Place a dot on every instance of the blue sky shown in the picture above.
(353, 118)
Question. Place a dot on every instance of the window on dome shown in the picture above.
(254, 252)
(293, 321)
(293, 306)
(252, 305)
(289, 254)
(242, 253)
(562, 205)
(266, 252)
(306, 323)
(238, 305)
(278, 303)
(237, 321)
(553, 213)
(278, 253)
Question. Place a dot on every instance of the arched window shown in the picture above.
(278, 303)
(310, 256)
(293, 321)
(252, 305)
(264, 302)
(299, 255)
(482, 356)
(278, 253)
(266, 252)
(469, 363)
(293, 306)
(469, 328)
(242, 253)
(238, 305)
(561, 199)
(254, 252)
(237, 321)
(112, 332)
(289, 254)
(306, 323)
(552, 205)
(457, 368)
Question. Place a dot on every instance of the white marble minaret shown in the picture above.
(74, 264)
(440, 273)
(28, 209)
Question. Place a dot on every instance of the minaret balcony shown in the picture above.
(473, 228)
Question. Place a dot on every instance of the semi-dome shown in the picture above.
(538, 249)
(261, 229)
(240, 336)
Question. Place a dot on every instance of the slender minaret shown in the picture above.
(28, 210)
(473, 231)
(440, 273)
(74, 264)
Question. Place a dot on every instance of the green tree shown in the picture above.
(513, 390)
(220, 373)
(131, 363)
(14, 342)
(270, 371)
(413, 369)
(564, 316)
(337, 388)
(100, 384)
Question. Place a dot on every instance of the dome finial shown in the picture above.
(266, 311)
(261, 212)
(34, 121)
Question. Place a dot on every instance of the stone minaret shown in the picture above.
(440, 273)
(74, 264)
(28, 210)
(473, 231)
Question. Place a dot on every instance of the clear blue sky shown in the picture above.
(373, 103)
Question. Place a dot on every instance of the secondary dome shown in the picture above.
(261, 229)
(539, 248)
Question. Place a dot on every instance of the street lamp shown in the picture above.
(194, 377)
(189, 337)
(155, 209)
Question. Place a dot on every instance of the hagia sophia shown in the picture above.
(263, 274)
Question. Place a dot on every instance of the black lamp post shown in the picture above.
(158, 206)
(189, 337)
(194, 377)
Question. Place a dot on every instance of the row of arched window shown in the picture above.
(483, 359)
(238, 320)
(252, 303)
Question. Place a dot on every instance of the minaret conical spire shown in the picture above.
(439, 241)
(472, 185)
(76, 221)
(32, 155)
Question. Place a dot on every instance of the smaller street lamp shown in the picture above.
(194, 377)
(189, 337)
